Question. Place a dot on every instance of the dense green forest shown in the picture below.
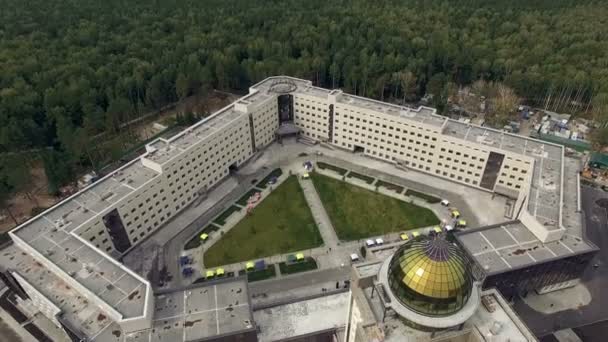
(71, 70)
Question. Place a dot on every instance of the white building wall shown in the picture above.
(515, 171)
(422, 147)
(145, 210)
(95, 232)
(197, 169)
(265, 122)
(45, 306)
(311, 114)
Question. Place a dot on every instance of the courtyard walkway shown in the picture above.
(318, 212)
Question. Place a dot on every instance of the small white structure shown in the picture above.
(370, 243)
(354, 257)
(87, 180)
(379, 241)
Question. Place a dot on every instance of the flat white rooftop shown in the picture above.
(198, 312)
(510, 245)
(76, 309)
(54, 234)
(303, 317)
(164, 150)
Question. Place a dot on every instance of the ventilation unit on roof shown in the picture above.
(407, 113)
(107, 195)
(496, 328)
(85, 210)
(129, 181)
(48, 252)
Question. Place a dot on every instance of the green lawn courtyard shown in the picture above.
(282, 223)
(358, 213)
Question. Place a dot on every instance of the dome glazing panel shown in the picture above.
(430, 276)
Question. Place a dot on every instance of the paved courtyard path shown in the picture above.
(318, 212)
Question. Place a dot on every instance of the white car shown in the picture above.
(370, 243)
(445, 202)
(354, 257)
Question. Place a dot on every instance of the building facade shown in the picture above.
(80, 239)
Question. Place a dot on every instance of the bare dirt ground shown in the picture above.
(197, 104)
(21, 205)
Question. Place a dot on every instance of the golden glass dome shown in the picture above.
(430, 276)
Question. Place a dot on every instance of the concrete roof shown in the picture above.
(510, 245)
(193, 313)
(302, 317)
(54, 234)
(512, 327)
(75, 308)
(423, 115)
(545, 190)
(200, 311)
(367, 269)
(162, 151)
(305, 87)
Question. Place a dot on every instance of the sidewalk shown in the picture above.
(324, 224)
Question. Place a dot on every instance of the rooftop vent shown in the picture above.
(496, 328)
(107, 195)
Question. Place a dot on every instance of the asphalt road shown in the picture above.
(593, 333)
(595, 279)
